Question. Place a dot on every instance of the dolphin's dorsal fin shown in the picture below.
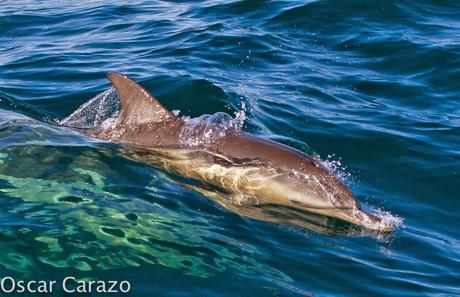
(137, 105)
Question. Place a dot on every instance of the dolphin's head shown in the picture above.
(347, 207)
(322, 192)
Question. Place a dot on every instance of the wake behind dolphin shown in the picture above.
(253, 172)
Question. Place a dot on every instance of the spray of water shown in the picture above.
(207, 130)
(104, 106)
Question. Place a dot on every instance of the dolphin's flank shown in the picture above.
(253, 172)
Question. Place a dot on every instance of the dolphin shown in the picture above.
(251, 171)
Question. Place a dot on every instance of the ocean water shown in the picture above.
(371, 87)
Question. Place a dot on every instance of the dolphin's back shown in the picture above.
(244, 146)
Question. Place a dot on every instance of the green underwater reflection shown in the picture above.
(70, 216)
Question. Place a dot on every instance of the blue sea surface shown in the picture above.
(372, 87)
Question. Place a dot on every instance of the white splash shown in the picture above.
(387, 217)
(336, 167)
(95, 112)
(207, 130)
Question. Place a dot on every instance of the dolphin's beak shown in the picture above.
(371, 221)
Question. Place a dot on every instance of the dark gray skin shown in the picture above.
(145, 123)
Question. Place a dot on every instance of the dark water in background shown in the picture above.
(374, 84)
